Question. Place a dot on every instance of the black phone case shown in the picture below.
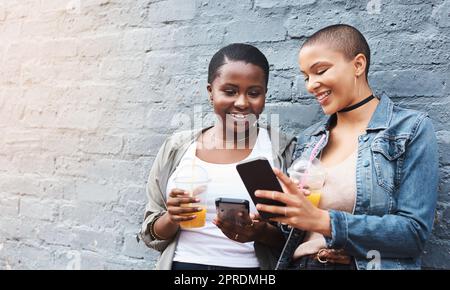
(258, 174)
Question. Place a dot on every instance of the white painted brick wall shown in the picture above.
(89, 89)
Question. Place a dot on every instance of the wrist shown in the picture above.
(163, 228)
(152, 228)
(260, 231)
(324, 223)
(168, 221)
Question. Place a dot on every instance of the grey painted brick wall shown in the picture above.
(89, 89)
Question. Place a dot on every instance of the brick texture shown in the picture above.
(89, 89)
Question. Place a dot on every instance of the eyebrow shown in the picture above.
(251, 87)
(315, 64)
(231, 85)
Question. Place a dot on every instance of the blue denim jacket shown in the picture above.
(396, 182)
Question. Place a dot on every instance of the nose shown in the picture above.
(241, 102)
(312, 85)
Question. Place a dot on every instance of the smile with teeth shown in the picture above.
(323, 95)
(239, 116)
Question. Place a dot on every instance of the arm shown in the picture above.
(166, 226)
(404, 233)
(399, 235)
(156, 204)
(162, 218)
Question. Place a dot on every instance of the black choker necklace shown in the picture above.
(366, 100)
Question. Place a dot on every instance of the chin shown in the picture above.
(328, 111)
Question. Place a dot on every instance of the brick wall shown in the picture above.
(89, 89)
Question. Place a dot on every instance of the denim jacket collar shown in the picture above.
(382, 116)
(380, 120)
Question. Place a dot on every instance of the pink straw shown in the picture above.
(311, 158)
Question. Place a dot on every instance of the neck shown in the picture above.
(360, 116)
(230, 139)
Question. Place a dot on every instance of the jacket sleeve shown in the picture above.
(289, 153)
(156, 203)
(402, 234)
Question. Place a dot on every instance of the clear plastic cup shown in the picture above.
(310, 175)
(193, 179)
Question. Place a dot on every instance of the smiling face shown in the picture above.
(329, 76)
(238, 94)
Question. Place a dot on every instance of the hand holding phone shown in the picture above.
(257, 174)
(235, 211)
(234, 221)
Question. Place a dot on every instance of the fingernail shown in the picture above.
(199, 209)
(257, 192)
(197, 200)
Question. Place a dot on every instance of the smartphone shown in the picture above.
(257, 174)
(228, 210)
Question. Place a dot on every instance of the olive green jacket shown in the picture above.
(165, 163)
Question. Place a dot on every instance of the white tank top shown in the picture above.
(208, 245)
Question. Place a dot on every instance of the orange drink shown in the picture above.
(314, 198)
(194, 179)
(310, 176)
(198, 222)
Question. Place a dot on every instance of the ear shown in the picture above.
(360, 62)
